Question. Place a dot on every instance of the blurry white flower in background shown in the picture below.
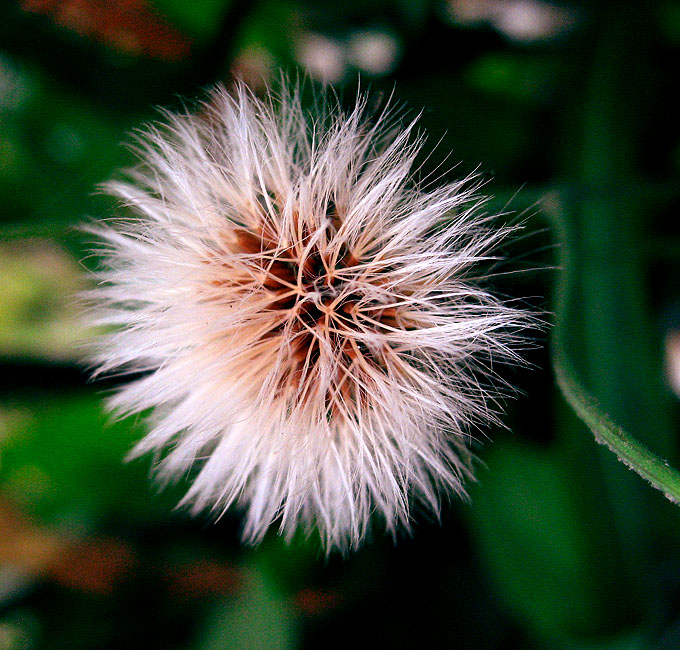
(322, 57)
(374, 52)
(519, 20)
(327, 60)
(672, 358)
(253, 66)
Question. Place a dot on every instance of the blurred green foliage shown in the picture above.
(569, 109)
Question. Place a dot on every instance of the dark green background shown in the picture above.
(561, 547)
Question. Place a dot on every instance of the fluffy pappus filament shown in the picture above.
(312, 343)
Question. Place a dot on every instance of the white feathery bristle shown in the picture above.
(302, 312)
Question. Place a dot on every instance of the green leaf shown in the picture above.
(528, 534)
(524, 80)
(61, 457)
(259, 618)
(200, 18)
(632, 453)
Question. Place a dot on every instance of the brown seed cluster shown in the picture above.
(315, 298)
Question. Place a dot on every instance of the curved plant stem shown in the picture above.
(632, 453)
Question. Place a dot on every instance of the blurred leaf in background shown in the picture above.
(38, 317)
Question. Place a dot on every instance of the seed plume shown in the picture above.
(313, 343)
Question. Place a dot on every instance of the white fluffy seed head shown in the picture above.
(311, 343)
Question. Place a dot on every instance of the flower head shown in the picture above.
(312, 342)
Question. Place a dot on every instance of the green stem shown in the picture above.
(632, 453)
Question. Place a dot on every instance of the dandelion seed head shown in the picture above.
(312, 343)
